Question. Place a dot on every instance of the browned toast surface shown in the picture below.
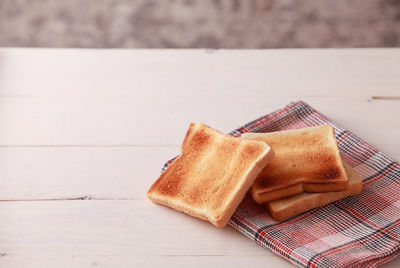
(306, 160)
(212, 174)
(287, 207)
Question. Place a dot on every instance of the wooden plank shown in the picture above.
(34, 173)
(180, 73)
(113, 228)
(103, 97)
(391, 150)
(154, 261)
(140, 121)
(140, 261)
(30, 173)
(119, 233)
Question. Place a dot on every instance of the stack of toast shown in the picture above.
(289, 172)
(306, 172)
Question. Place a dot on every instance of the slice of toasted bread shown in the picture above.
(285, 208)
(306, 160)
(212, 175)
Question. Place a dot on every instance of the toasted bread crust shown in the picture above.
(285, 208)
(309, 157)
(211, 176)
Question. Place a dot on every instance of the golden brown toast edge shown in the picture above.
(246, 186)
(298, 188)
(285, 208)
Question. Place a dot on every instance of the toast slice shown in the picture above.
(285, 208)
(212, 174)
(306, 160)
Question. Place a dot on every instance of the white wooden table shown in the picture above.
(83, 134)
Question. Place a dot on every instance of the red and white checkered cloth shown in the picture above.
(362, 230)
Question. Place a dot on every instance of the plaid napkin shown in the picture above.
(362, 230)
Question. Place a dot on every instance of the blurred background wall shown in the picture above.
(200, 23)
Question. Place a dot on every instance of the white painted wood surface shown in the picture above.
(98, 125)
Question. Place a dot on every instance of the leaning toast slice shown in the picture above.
(306, 160)
(285, 208)
(212, 174)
